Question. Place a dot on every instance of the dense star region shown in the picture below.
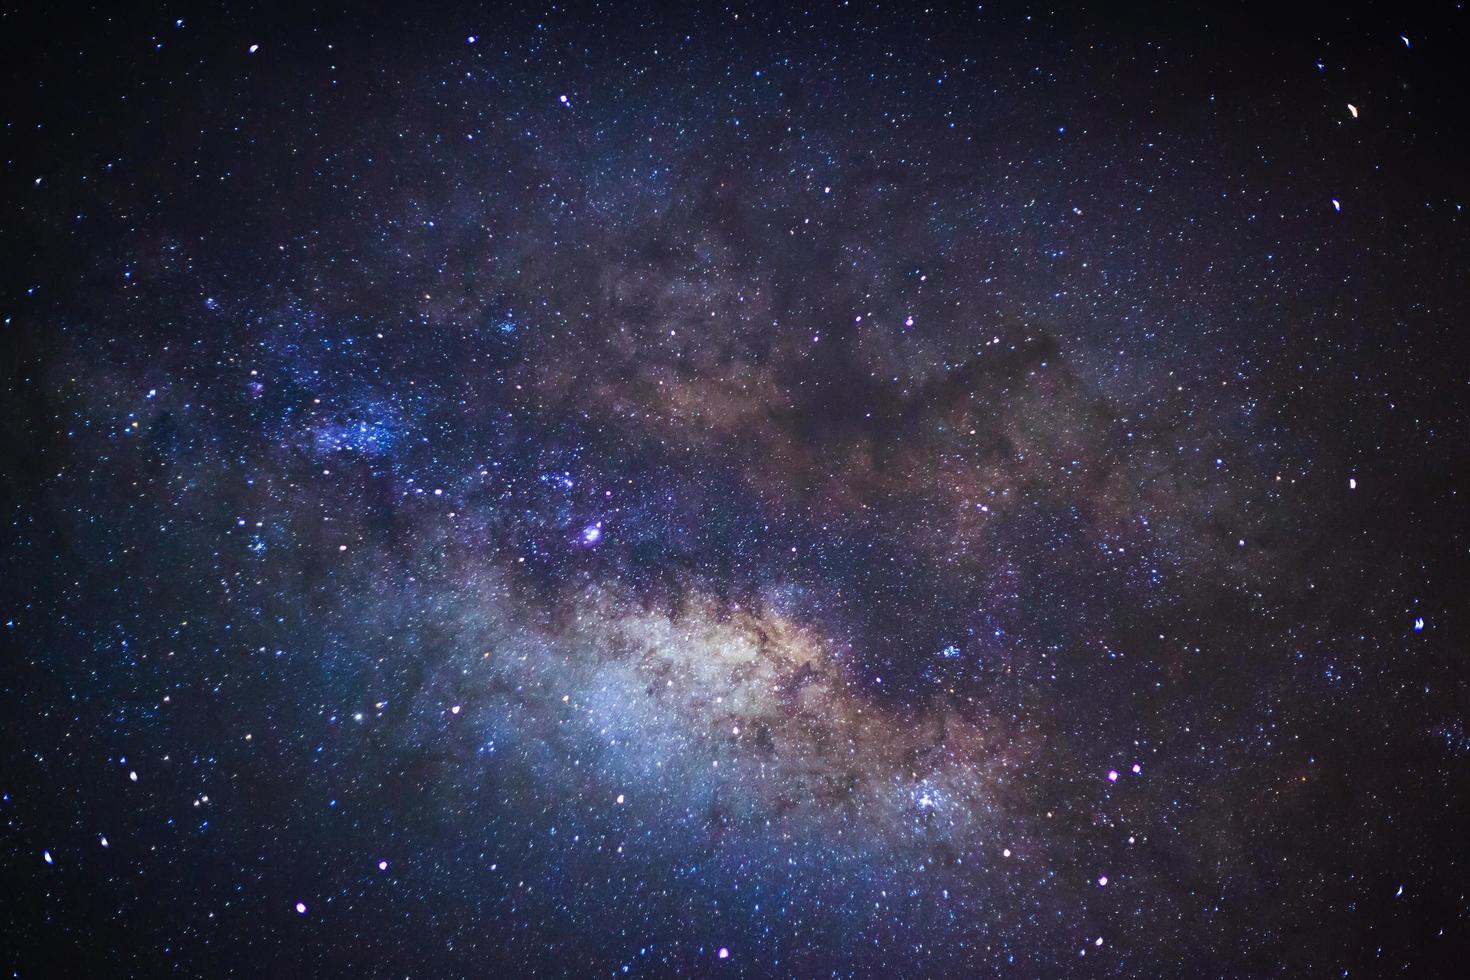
(831, 490)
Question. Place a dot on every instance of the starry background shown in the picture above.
(829, 490)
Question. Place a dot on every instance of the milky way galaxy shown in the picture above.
(843, 491)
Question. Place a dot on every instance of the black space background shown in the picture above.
(134, 138)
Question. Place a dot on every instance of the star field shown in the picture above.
(758, 491)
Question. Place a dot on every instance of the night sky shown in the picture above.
(820, 490)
